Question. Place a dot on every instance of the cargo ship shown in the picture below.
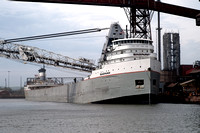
(127, 72)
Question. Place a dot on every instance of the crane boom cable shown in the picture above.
(54, 35)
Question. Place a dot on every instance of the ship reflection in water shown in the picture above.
(20, 116)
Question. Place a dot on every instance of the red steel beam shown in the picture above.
(140, 4)
(177, 10)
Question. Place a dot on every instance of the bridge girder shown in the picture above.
(139, 4)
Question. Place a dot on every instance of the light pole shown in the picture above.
(5, 83)
(159, 36)
(8, 79)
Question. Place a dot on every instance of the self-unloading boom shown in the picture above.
(36, 55)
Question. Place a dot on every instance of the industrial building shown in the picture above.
(171, 58)
(179, 83)
(4, 94)
(171, 52)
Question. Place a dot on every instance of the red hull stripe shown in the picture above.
(120, 73)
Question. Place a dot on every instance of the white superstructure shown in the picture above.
(128, 55)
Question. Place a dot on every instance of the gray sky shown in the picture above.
(19, 19)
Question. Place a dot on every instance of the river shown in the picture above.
(21, 116)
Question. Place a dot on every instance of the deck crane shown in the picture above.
(10, 50)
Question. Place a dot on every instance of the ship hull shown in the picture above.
(117, 88)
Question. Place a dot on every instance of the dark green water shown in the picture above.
(20, 116)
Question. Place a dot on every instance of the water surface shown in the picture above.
(20, 116)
